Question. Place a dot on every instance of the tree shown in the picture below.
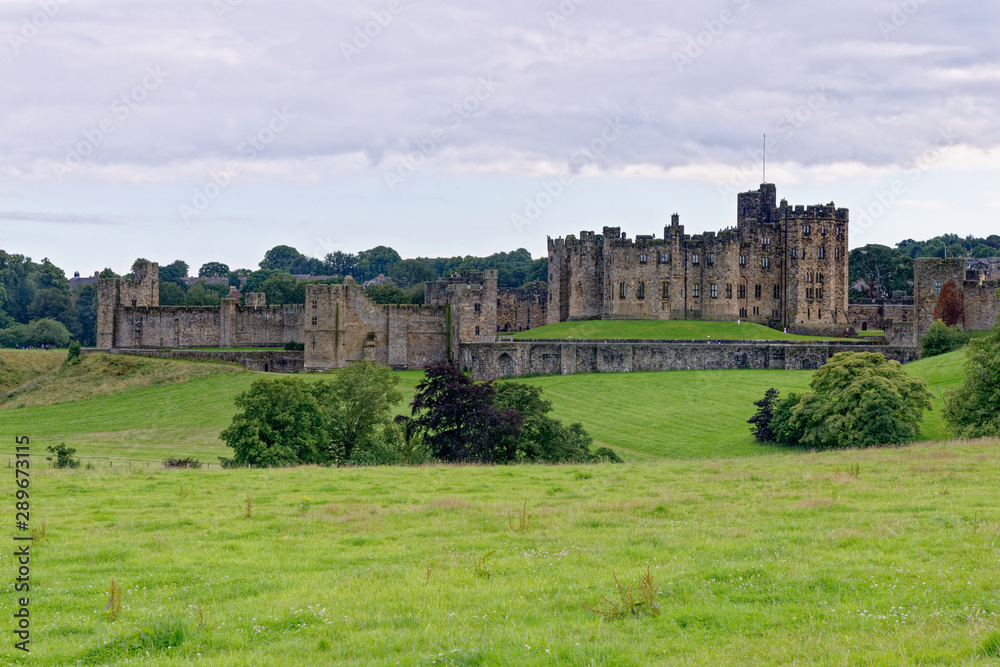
(283, 288)
(379, 259)
(280, 423)
(280, 258)
(340, 263)
(172, 294)
(459, 420)
(174, 272)
(950, 307)
(86, 312)
(359, 403)
(387, 294)
(858, 399)
(761, 421)
(213, 270)
(542, 438)
(410, 272)
(55, 303)
(973, 409)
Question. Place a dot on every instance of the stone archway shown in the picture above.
(506, 366)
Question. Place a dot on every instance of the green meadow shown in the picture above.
(759, 556)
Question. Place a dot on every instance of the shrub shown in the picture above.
(941, 338)
(950, 306)
(73, 354)
(858, 399)
(607, 454)
(973, 409)
(63, 456)
(761, 421)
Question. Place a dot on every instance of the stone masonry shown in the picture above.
(780, 266)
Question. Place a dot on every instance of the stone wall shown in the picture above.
(342, 326)
(871, 315)
(493, 360)
(981, 299)
(521, 309)
(267, 361)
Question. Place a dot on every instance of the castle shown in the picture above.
(780, 265)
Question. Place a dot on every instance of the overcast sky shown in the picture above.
(212, 130)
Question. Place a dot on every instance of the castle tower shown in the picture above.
(143, 291)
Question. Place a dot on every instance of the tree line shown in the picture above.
(348, 420)
(876, 271)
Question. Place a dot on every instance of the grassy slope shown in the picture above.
(20, 366)
(875, 557)
(676, 414)
(654, 329)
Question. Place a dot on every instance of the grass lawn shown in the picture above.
(659, 330)
(164, 408)
(875, 557)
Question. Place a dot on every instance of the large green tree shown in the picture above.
(359, 403)
(213, 270)
(858, 399)
(379, 259)
(543, 438)
(973, 409)
(280, 258)
(279, 423)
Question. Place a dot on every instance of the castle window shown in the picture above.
(743, 312)
(822, 230)
(695, 291)
(819, 313)
(743, 260)
(642, 258)
(711, 259)
(621, 290)
(805, 229)
(715, 291)
(777, 291)
(810, 292)
(822, 252)
(477, 307)
(809, 277)
(498, 303)
(694, 259)
(756, 291)
(819, 292)
(133, 300)
(765, 262)
(809, 315)
(315, 305)
(729, 290)
(640, 292)
(765, 241)
(477, 331)
(795, 253)
(666, 290)
(937, 288)
(664, 258)
(314, 321)
(836, 253)
(819, 277)
(743, 292)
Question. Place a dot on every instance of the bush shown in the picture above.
(73, 355)
(607, 454)
(973, 409)
(858, 399)
(63, 456)
(941, 338)
(761, 421)
(39, 333)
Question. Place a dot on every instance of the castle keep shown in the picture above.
(780, 265)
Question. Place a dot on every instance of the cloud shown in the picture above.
(56, 218)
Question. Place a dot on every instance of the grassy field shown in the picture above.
(158, 408)
(660, 330)
(876, 557)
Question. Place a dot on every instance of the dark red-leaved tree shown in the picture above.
(460, 420)
(950, 307)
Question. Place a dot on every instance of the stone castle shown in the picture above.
(780, 265)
